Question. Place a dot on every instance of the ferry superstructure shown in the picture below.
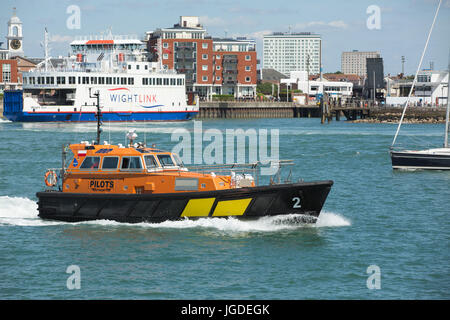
(130, 88)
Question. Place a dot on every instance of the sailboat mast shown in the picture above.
(415, 77)
(448, 105)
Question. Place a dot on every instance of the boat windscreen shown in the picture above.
(165, 160)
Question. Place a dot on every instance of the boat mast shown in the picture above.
(448, 105)
(415, 77)
(98, 114)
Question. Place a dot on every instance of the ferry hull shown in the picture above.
(420, 161)
(305, 199)
(106, 116)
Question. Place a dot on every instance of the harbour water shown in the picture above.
(396, 221)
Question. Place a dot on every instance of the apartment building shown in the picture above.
(212, 66)
(287, 51)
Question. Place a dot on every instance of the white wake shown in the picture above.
(19, 211)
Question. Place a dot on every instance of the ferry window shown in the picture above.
(108, 80)
(144, 81)
(130, 81)
(71, 80)
(137, 67)
(150, 162)
(94, 80)
(159, 81)
(110, 162)
(79, 80)
(129, 67)
(172, 82)
(123, 80)
(114, 81)
(90, 163)
(130, 163)
(146, 67)
(165, 160)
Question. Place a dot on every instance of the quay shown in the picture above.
(364, 111)
(255, 109)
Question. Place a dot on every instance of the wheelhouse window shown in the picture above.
(150, 162)
(90, 163)
(131, 163)
(165, 160)
(110, 163)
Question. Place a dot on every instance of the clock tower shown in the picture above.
(15, 36)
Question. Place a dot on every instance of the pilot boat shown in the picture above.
(136, 183)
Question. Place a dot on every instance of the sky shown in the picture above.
(400, 29)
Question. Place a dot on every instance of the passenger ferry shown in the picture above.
(137, 183)
(131, 89)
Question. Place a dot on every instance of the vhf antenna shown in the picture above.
(98, 115)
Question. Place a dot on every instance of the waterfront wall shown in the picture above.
(412, 115)
(253, 109)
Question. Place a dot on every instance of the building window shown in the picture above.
(247, 68)
(205, 67)
(217, 78)
(165, 56)
(6, 74)
(205, 78)
(248, 58)
(217, 67)
(218, 57)
(247, 79)
(205, 45)
(204, 56)
(165, 45)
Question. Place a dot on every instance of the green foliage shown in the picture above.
(223, 97)
(266, 88)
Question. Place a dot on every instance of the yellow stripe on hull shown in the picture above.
(198, 207)
(231, 207)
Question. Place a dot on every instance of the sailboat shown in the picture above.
(428, 159)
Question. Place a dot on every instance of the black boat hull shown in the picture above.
(244, 203)
(411, 160)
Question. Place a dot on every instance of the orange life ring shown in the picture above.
(50, 178)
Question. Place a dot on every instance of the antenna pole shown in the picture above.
(98, 115)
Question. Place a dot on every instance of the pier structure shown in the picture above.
(325, 110)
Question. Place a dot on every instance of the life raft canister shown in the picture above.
(50, 178)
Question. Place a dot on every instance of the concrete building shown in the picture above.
(286, 52)
(316, 88)
(354, 62)
(431, 89)
(212, 66)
